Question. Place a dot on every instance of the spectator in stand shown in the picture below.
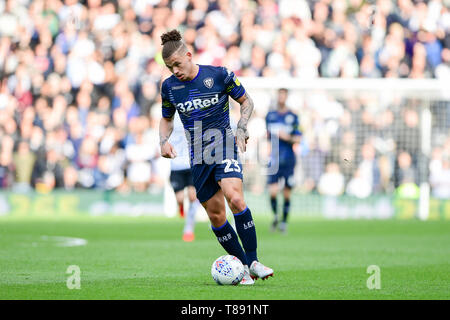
(369, 169)
(6, 169)
(48, 170)
(407, 172)
(332, 182)
(24, 162)
(358, 186)
(87, 162)
(80, 72)
(70, 178)
(440, 174)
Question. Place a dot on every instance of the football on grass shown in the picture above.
(227, 270)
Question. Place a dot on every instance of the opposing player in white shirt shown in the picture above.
(181, 178)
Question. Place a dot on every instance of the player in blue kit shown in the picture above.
(200, 94)
(282, 125)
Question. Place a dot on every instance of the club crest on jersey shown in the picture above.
(208, 82)
(289, 118)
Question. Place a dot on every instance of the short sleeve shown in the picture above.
(168, 109)
(233, 86)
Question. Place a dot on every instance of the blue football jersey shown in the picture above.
(288, 123)
(202, 105)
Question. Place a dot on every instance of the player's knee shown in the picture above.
(179, 196)
(237, 203)
(216, 219)
(192, 197)
(273, 190)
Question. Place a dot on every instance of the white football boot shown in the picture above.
(247, 279)
(258, 270)
(283, 227)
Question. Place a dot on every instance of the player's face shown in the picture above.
(282, 97)
(180, 64)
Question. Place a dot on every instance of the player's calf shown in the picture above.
(245, 228)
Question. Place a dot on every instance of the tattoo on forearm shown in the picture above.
(165, 130)
(246, 112)
(163, 139)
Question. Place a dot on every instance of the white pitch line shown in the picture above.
(65, 241)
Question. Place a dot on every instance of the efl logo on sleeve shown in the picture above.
(236, 81)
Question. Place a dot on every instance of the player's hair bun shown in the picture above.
(173, 35)
(171, 42)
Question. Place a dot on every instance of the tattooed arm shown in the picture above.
(165, 130)
(246, 111)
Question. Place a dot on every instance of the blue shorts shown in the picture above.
(286, 173)
(206, 176)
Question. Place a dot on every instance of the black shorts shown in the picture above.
(181, 179)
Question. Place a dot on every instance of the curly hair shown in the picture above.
(171, 42)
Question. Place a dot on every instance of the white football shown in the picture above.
(227, 270)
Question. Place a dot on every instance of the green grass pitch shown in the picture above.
(145, 258)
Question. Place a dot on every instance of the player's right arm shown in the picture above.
(165, 130)
(295, 136)
(166, 125)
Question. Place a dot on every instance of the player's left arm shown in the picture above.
(247, 106)
(237, 92)
(293, 137)
(290, 138)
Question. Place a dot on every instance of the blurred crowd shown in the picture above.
(362, 147)
(360, 144)
(79, 90)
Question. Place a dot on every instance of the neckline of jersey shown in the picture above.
(283, 113)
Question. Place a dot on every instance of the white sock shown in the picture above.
(190, 217)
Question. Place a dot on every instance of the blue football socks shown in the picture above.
(245, 228)
(286, 207)
(228, 238)
(273, 204)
